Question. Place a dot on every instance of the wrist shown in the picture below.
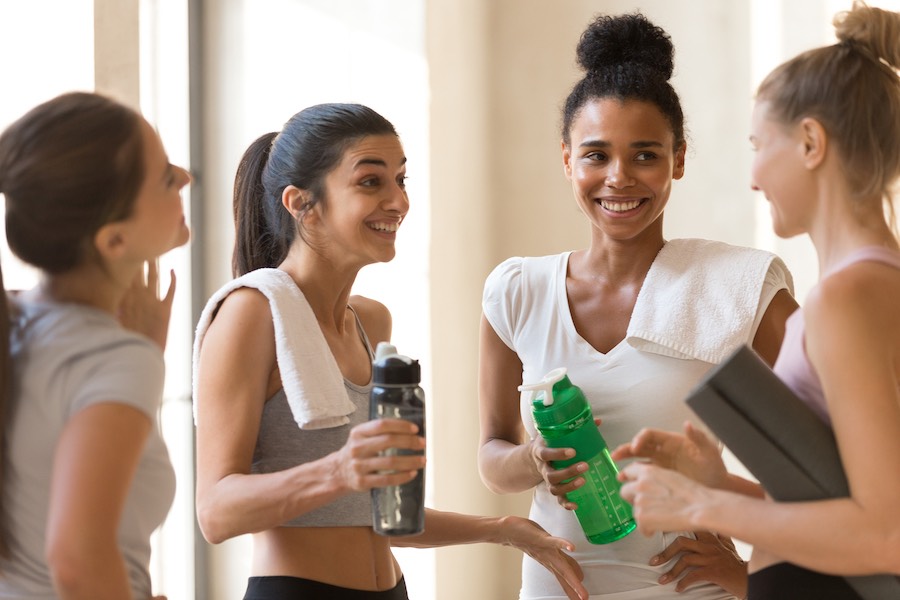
(533, 463)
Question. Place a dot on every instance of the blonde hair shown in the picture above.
(853, 90)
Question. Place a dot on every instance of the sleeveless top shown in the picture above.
(281, 445)
(793, 365)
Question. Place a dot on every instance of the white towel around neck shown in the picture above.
(312, 380)
(701, 299)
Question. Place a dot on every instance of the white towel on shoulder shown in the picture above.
(700, 299)
(312, 380)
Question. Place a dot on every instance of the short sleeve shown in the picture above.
(777, 278)
(502, 298)
(130, 372)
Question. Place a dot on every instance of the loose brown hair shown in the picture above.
(67, 167)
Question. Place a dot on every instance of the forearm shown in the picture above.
(739, 485)
(248, 503)
(834, 536)
(448, 528)
(507, 468)
(89, 574)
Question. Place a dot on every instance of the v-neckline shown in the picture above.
(568, 319)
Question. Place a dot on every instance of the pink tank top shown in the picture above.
(793, 365)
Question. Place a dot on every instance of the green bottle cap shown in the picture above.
(560, 402)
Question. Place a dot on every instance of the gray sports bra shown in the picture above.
(281, 444)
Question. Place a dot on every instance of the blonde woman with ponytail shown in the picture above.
(826, 132)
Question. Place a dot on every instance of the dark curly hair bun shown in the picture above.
(610, 41)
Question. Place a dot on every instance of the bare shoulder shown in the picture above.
(375, 318)
(243, 316)
(858, 302)
(861, 287)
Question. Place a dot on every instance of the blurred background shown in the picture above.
(474, 88)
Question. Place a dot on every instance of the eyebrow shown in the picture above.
(635, 144)
(375, 161)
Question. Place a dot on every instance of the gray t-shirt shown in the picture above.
(67, 357)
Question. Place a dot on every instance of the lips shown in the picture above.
(384, 227)
(620, 205)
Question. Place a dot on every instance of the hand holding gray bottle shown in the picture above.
(398, 509)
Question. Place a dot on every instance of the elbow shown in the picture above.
(486, 472)
(212, 527)
(69, 570)
(489, 484)
(892, 551)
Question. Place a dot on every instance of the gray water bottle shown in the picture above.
(398, 509)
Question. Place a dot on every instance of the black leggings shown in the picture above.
(294, 588)
(784, 581)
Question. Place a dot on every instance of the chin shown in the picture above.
(183, 237)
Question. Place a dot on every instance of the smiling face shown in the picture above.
(366, 201)
(778, 171)
(621, 160)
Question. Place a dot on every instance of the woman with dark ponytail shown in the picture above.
(283, 364)
(91, 201)
(826, 132)
(636, 319)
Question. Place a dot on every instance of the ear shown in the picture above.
(109, 241)
(815, 142)
(293, 199)
(678, 168)
(567, 159)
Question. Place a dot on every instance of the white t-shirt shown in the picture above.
(65, 358)
(525, 302)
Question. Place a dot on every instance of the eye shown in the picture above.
(645, 156)
(596, 156)
(370, 182)
(401, 181)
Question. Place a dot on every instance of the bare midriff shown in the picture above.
(351, 557)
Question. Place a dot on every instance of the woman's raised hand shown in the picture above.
(693, 454)
(142, 310)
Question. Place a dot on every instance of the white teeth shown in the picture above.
(619, 206)
(391, 227)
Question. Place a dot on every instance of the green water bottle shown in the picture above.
(565, 420)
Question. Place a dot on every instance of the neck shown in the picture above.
(622, 260)
(88, 285)
(326, 287)
(842, 225)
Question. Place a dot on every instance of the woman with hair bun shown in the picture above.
(826, 131)
(635, 319)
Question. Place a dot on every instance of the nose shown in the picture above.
(618, 175)
(398, 199)
(185, 176)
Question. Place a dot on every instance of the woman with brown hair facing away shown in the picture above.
(91, 200)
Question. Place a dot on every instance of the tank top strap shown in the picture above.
(362, 334)
(880, 254)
